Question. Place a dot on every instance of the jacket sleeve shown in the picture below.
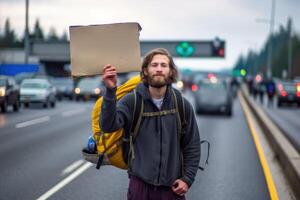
(114, 115)
(191, 150)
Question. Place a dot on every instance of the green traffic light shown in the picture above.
(243, 72)
(185, 49)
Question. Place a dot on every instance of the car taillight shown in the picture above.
(283, 93)
(194, 87)
(280, 87)
(298, 94)
(298, 87)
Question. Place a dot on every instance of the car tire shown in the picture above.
(4, 107)
(16, 106)
(279, 104)
(26, 105)
(229, 112)
(45, 104)
(52, 104)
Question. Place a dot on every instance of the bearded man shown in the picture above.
(164, 165)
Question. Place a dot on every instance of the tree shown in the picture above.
(9, 38)
(64, 36)
(38, 33)
(52, 36)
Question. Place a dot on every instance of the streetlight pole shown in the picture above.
(26, 34)
(290, 52)
(269, 64)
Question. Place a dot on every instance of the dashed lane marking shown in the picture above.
(65, 181)
(33, 122)
(73, 112)
(72, 167)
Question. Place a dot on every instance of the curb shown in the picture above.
(286, 154)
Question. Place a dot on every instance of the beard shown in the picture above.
(158, 81)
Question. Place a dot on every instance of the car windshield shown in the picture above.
(62, 82)
(34, 85)
(2, 82)
(289, 87)
(218, 86)
(89, 83)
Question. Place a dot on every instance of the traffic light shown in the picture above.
(185, 49)
(218, 48)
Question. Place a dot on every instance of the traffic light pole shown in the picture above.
(26, 39)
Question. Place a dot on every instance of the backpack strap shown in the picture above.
(138, 109)
(180, 108)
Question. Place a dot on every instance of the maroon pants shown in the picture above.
(139, 190)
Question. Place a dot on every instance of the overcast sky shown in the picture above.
(231, 20)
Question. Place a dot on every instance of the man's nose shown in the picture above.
(159, 67)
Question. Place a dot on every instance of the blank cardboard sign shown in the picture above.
(94, 46)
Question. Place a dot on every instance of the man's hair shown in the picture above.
(148, 58)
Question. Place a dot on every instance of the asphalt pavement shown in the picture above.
(40, 153)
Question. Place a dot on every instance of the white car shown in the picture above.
(38, 91)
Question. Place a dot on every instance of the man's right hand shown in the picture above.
(109, 76)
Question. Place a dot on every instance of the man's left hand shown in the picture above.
(180, 187)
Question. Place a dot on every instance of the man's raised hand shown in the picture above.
(109, 76)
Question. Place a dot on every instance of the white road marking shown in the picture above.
(72, 167)
(73, 112)
(65, 181)
(32, 122)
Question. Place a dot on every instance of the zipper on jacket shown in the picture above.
(160, 153)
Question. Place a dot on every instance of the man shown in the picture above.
(164, 165)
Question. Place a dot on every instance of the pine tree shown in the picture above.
(52, 36)
(38, 33)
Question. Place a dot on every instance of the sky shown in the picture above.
(235, 21)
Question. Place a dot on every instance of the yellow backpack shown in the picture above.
(109, 145)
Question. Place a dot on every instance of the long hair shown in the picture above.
(148, 58)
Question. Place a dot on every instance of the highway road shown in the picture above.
(40, 153)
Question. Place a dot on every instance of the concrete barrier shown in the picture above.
(287, 155)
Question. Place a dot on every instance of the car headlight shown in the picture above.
(2, 91)
(77, 90)
(97, 90)
(179, 84)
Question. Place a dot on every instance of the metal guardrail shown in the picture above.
(287, 155)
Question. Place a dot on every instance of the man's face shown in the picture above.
(158, 71)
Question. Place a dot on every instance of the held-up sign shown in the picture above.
(94, 46)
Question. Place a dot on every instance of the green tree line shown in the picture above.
(256, 62)
(9, 39)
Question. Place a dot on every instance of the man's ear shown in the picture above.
(145, 71)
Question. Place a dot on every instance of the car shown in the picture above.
(9, 93)
(38, 90)
(212, 95)
(88, 88)
(288, 92)
(64, 87)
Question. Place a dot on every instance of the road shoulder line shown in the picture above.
(261, 155)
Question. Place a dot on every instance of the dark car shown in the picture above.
(9, 93)
(288, 93)
(88, 88)
(213, 95)
(64, 87)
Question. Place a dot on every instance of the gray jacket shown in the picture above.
(159, 155)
